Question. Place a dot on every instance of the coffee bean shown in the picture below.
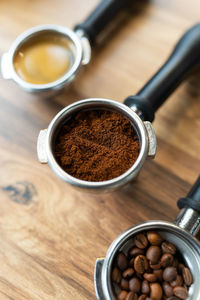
(128, 273)
(173, 298)
(124, 284)
(150, 277)
(122, 295)
(122, 261)
(169, 274)
(180, 268)
(175, 263)
(141, 264)
(155, 266)
(145, 288)
(116, 275)
(139, 276)
(156, 291)
(159, 274)
(154, 238)
(168, 247)
(153, 254)
(177, 282)
(167, 260)
(142, 297)
(135, 285)
(180, 292)
(141, 241)
(135, 251)
(131, 262)
(168, 289)
(132, 296)
(187, 276)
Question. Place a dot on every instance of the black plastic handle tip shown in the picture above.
(193, 198)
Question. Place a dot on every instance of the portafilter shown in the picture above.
(184, 233)
(139, 109)
(80, 42)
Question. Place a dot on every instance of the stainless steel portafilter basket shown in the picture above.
(184, 233)
(81, 39)
(144, 131)
(138, 109)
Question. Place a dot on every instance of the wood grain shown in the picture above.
(51, 234)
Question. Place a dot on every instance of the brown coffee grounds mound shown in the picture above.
(96, 145)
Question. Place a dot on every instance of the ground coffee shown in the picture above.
(96, 145)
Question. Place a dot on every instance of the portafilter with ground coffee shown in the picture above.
(139, 110)
(182, 236)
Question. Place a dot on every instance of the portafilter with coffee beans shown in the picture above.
(183, 236)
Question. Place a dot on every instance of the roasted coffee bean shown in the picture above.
(169, 274)
(167, 260)
(156, 291)
(131, 262)
(116, 275)
(124, 284)
(154, 238)
(132, 296)
(153, 254)
(187, 276)
(142, 297)
(128, 273)
(180, 292)
(155, 266)
(140, 276)
(159, 274)
(145, 288)
(150, 277)
(180, 268)
(122, 261)
(135, 285)
(168, 247)
(173, 298)
(141, 241)
(168, 289)
(135, 251)
(177, 282)
(141, 264)
(122, 295)
(175, 263)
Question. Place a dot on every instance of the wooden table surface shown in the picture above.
(50, 233)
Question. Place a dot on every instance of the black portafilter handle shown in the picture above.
(193, 198)
(100, 17)
(184, 57)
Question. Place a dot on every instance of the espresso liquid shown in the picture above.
(43, 59)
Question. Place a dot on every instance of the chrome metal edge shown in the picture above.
(97, 278)
(87, 51)
(41, 145)
(152, 139)
(6, 69)
(189, 220)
